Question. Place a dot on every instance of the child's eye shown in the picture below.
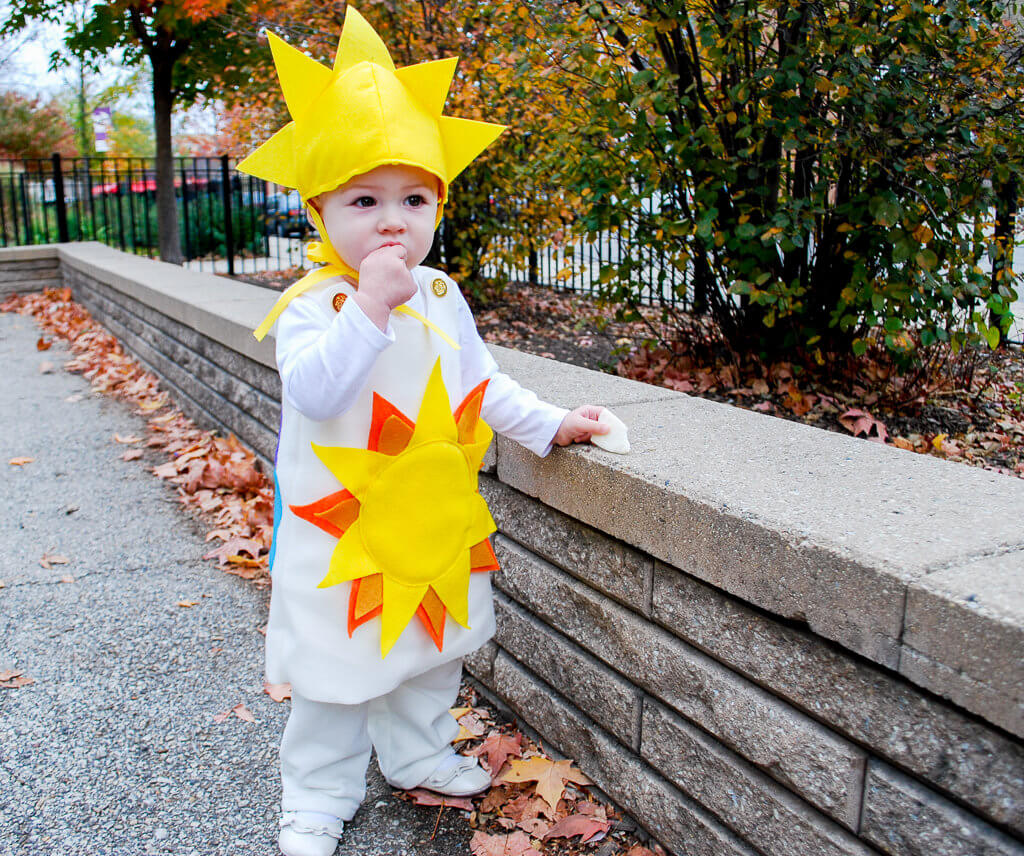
(365, 202)
(415, 200)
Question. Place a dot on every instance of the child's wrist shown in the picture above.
(375, 308)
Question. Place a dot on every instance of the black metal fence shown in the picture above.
(229, 222)
(236, 224)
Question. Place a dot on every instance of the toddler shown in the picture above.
(381, 552)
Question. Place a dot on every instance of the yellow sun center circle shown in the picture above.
(405, 513)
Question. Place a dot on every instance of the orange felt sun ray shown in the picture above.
(482, 558)
(390, 429)
(365, 601)
(467, 414)
(334, 513)
(432, 613)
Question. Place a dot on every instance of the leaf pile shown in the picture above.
(535, 804)
(217, 477)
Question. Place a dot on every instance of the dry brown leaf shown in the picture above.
(588, 828)
(242, 712)
(20, 462)
(43, 344)
(11, 679)
(67, 578)
(46, 367)
(3, 584)
(421, 796)
(278, 692)
(639, 850)
(128, 441)
(496, 748)
(516, 844)
(132, 455)
(49, 559)
(187, 603)
(550, 776)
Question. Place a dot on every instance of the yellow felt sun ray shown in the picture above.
(356, 469)
(274, 160)
(349, 561)
(453, 589)
(400, 604)
(429, 82)
(481, 524)
(434, 420)
(302, 78)
(359, 42)
(463, 140)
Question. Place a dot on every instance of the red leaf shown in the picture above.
(421, 796)
(578, 824)
(496, 748)
(516, 844)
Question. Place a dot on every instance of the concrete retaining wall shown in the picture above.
(755, 636)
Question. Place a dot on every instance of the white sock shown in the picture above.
(313, 817)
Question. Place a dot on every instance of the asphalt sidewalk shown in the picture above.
(114, 749)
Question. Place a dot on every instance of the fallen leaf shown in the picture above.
(550, 776)
(420, 796)
(3, 584)
(516, 844)
(67, 578)
(187, 603)
(129, 440)
(242, 712)
(20, 462)
(859, 422)
(14, 680)
(535, 826)
(132, 455)
(220, 717)
(46, 367)
(50, 559)
(639, 850)
(496, 748)
(43, 344)
(578, 824)
(278, 692)
(524, 807)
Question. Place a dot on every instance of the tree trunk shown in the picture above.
(166, 207)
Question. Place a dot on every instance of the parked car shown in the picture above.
(285, 214)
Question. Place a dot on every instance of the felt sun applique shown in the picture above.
(410, 523)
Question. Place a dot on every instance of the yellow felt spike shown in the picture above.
(434, 420)
(275, 159)
(302, 78)
(482, 523)
(429, 82)
(453, 589)
(349, 561)
(358, 43)
(400, 605)
(354, 468)
(463, 140)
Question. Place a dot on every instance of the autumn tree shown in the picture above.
(185, 44)
(30, 128)
(820, 173)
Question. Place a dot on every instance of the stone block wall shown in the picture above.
(756, 637)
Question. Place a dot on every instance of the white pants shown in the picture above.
(326, 747)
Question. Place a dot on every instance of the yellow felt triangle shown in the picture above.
(302, 78)
(464, 139)
(359, 43)
(429, 82)
(275, 159)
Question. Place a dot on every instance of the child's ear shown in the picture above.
(312, 202)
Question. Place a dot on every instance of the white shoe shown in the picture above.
(457, 776)
(305, 833)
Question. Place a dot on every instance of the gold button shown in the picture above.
(439, 287)
(339, 301)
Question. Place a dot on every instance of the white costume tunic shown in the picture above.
(331, 362)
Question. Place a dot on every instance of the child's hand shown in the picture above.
(579, 425)
(384, 283)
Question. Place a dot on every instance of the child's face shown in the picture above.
(392, 204)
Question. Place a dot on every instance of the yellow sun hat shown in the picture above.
(361, 114)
